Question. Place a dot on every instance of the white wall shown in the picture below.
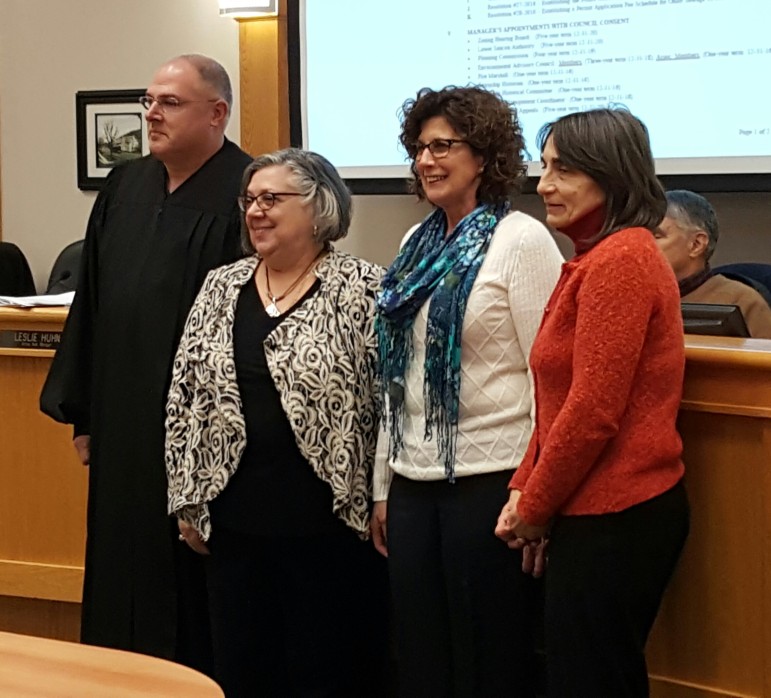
(50, 49)
(379, 223)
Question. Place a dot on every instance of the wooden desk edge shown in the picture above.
(48, 319)
(11, 315)
(698, 349)
(98, 665)
(728, 351)
(40, 580)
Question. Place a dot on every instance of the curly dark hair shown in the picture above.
(486, 121)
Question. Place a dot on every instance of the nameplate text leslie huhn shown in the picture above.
(29, 339)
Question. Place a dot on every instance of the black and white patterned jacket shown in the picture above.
(322, 359)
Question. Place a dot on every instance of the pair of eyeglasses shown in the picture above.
(264, 201)
(439, 147)
(169, 103)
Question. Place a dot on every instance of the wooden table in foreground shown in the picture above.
(34, 667)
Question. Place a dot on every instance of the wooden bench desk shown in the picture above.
(35, 667)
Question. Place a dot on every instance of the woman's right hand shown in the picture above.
(82, 446)
(377, 527)
(188, 534)
(504, 528)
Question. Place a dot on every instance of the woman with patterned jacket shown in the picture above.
(271, 432)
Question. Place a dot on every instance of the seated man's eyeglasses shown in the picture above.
(170, 103)
(439, 147)
(264, 201)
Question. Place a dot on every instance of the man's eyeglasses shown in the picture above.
(264, 201)
(169, 103)
(439, 147)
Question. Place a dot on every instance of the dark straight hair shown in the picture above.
(612, 146)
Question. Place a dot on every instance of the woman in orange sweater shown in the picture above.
(602, 475)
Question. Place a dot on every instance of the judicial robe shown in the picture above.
(146, 254)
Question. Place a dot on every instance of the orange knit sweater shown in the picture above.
(608, 364)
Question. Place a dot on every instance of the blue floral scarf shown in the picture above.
(442, 269)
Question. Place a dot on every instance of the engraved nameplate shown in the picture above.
(29, 339)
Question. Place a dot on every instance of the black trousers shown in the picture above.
(463, 610)
(298, 616)
(605, 580)
(193, 647)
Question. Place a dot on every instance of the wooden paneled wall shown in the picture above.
(264, 84)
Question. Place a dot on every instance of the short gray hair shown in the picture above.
(212, 73)
(319, 184)
(692, 211)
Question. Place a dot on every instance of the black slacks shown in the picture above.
(604, 583)
(298, 616)
(193, 647)
(463, 610)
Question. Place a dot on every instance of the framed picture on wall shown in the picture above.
(110, 129)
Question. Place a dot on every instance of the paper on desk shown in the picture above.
(38, 301)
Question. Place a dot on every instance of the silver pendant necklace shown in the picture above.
(272, 308)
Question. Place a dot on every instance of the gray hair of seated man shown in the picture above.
(693, 212)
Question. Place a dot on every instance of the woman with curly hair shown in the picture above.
(457, 315)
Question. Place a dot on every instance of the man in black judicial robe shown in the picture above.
(159, 225)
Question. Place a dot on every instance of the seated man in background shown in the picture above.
(688, 236)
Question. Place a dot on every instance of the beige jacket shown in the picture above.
(719, 289)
